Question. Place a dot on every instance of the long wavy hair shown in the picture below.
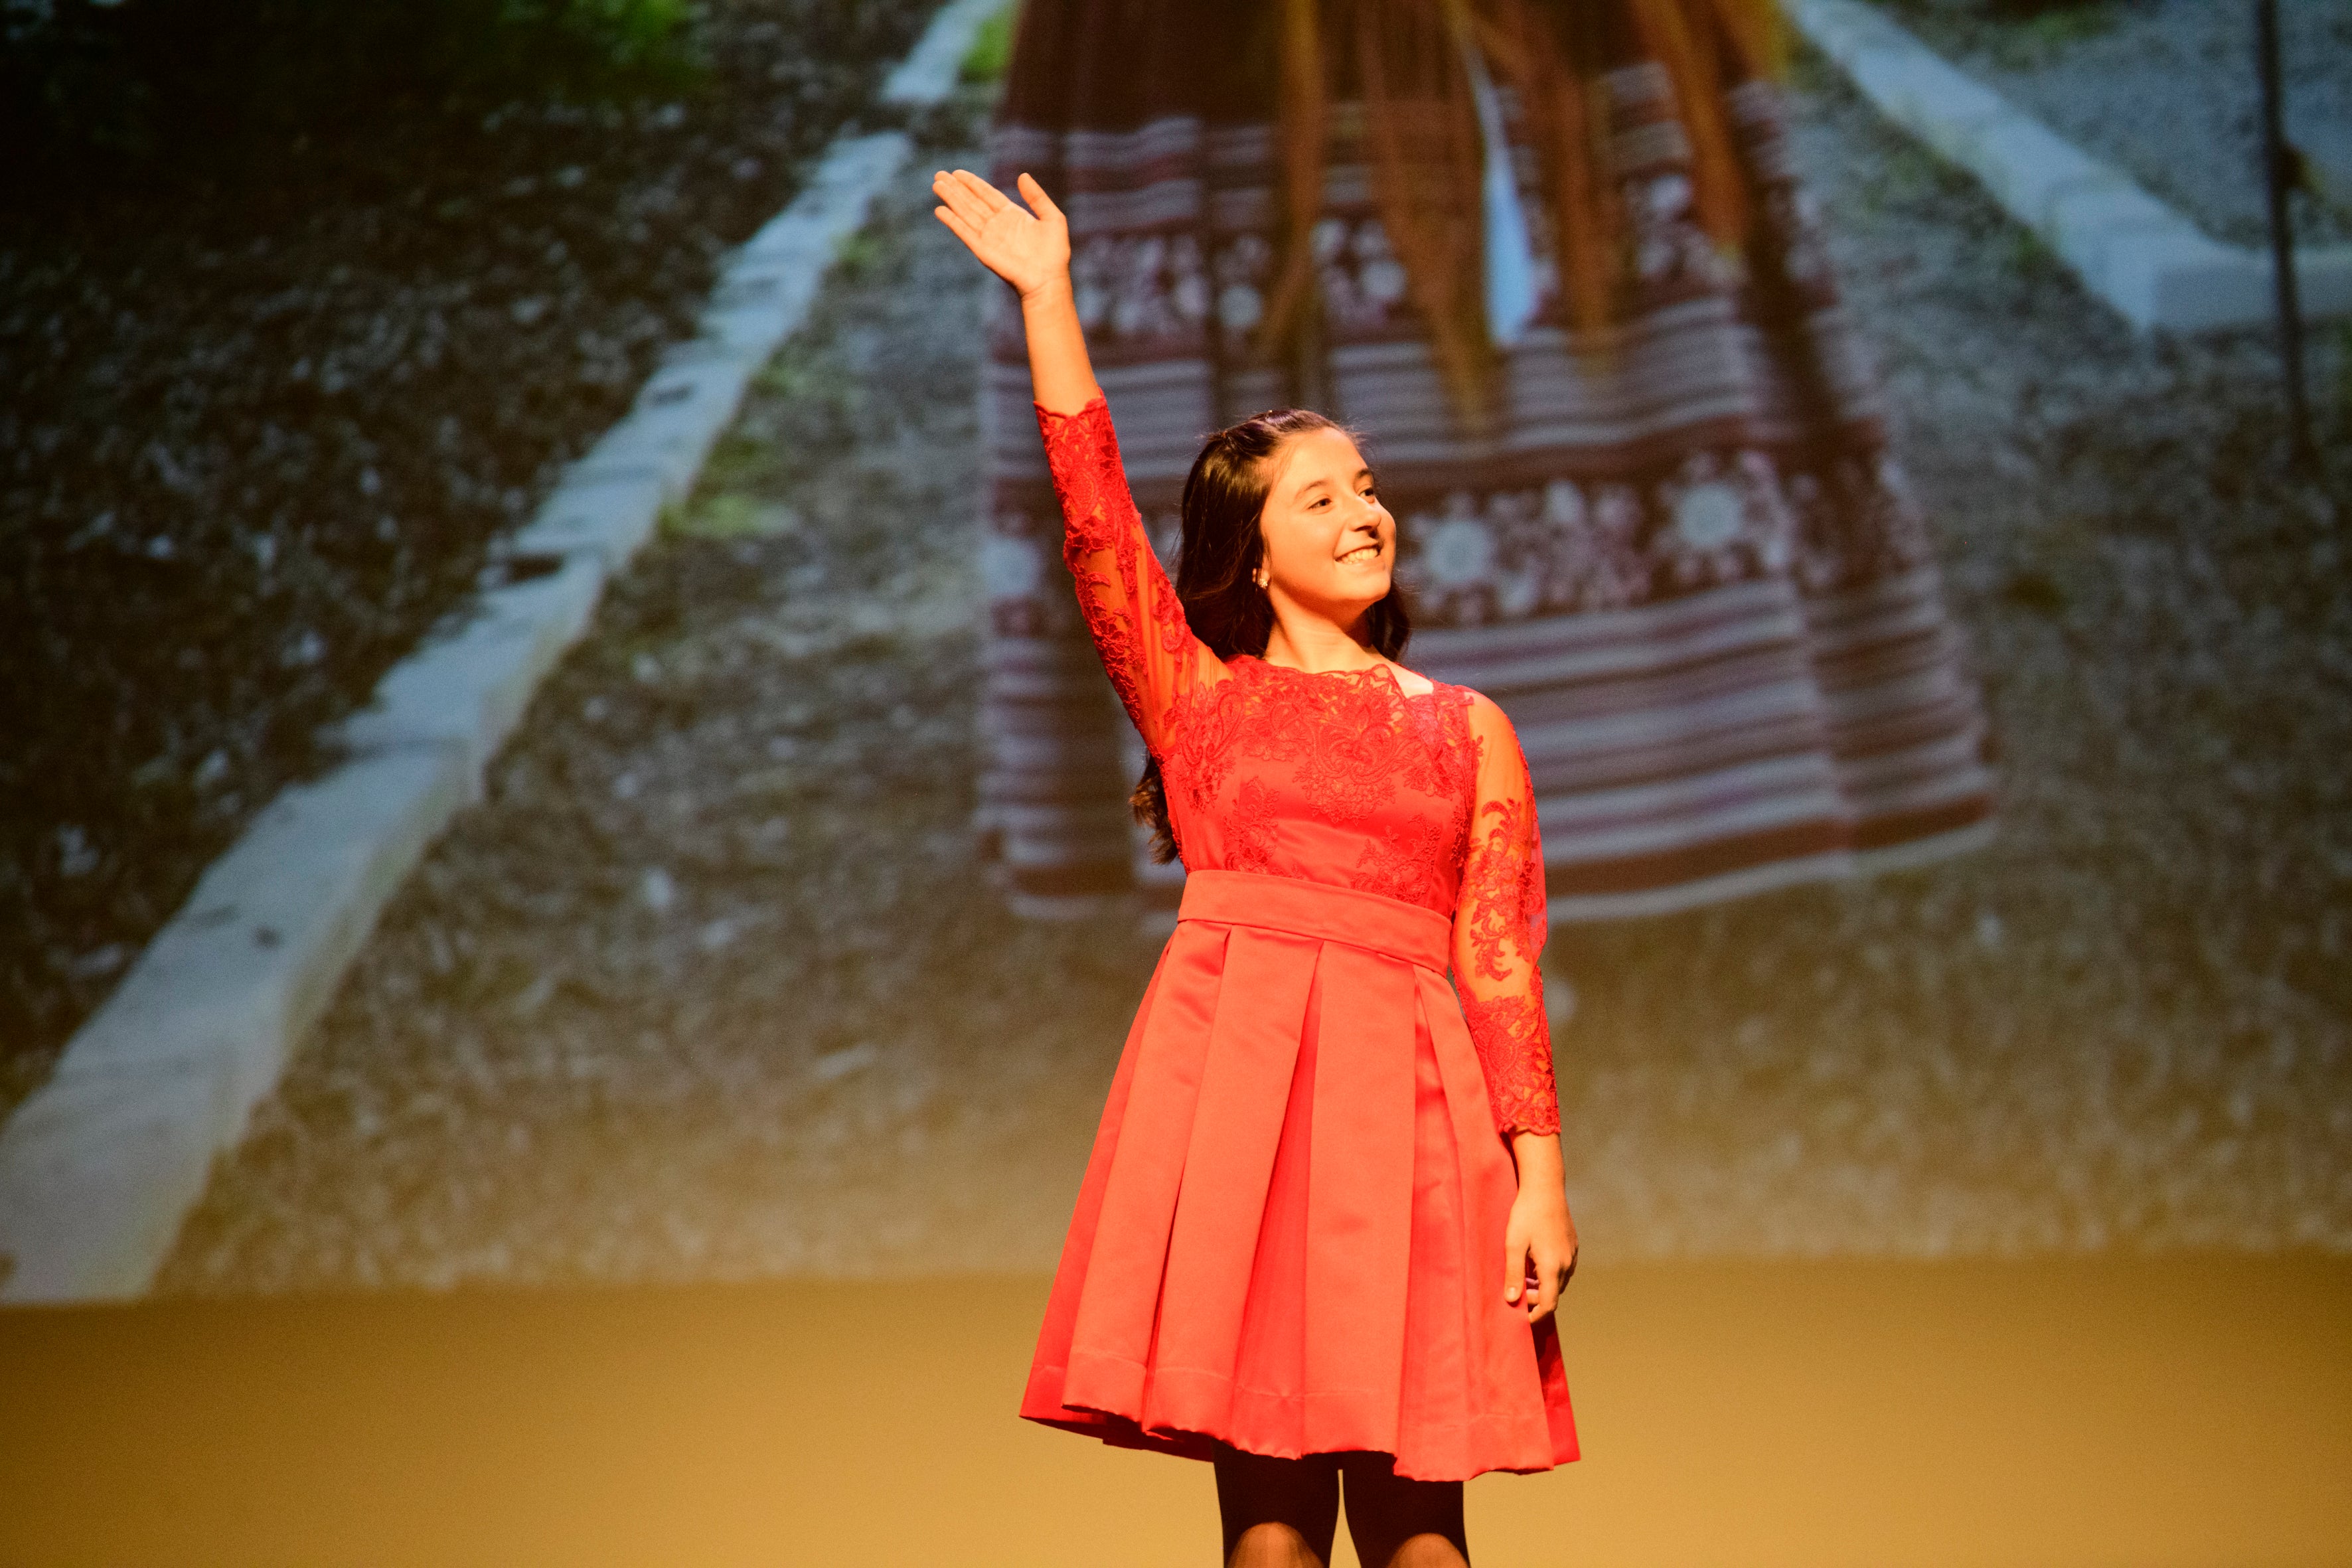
(1217, 560)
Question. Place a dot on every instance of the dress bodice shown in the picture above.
(1340, 777)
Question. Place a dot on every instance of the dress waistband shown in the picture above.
(1368, 920)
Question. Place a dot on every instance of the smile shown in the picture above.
(1362, 556)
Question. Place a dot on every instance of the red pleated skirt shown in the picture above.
(1289, 1238)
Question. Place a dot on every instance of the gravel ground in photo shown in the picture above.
(2167, 91)
(711, 985)
(260, 429)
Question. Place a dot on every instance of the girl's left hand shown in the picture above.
(1538, 1247)
(1028, 248)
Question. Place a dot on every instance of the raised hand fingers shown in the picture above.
(988, 194)
(1039, 202)
(984, 198)
(959, 227)
(967, 196)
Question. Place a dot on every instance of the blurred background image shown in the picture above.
(1889, 458)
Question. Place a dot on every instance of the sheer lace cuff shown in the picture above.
(1514, 1043)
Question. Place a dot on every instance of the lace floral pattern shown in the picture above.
(1498, 935)
(1496, 895)
(1404, 862)
(1249, 840)
(1514, 1042)
(1348, 734)
(1110, 559)
(1342, 777)
(1346, 750)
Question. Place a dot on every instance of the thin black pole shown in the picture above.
(2282, 171)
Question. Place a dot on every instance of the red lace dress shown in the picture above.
(1289, 1237)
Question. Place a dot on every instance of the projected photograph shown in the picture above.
(800, 779)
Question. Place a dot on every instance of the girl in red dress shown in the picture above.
(1324, 1226)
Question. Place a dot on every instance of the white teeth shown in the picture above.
(1359, 556)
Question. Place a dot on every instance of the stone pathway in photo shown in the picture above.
(268, 416)
(711, 985)
(2168, 90)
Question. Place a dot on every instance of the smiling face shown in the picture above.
(1330, 546)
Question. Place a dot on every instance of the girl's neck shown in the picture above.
(1317, 647)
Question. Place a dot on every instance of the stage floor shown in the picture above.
(2146, 1412)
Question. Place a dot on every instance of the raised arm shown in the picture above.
(1129, 605)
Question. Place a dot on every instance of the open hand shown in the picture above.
(1029, 249)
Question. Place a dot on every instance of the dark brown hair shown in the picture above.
(1216, 568)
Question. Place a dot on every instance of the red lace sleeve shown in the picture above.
(1129, 606)
(1499, 927)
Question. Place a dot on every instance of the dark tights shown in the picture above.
(1283, 1513)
